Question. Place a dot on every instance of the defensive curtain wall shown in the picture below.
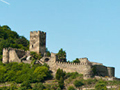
(85, 67)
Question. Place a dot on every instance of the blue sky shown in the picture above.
(83, 28)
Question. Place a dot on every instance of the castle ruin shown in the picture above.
(38, 45)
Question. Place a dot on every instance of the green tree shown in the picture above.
(76, 60)
(60, 73)
(41, 72)
(61, 83)
(78, 83)
(61, 55)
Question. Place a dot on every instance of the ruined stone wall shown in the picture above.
(5, 58)
(20, 53)
(12, 55)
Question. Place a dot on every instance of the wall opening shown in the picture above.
(47, 59)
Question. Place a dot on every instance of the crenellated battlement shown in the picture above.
(5, 49)
(37, 32)
(68, 63)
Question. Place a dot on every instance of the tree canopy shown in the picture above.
(61, 55)
(9, 38)
(76, 60)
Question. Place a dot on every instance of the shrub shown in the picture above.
(76, 60)
(71, 88)
(100, 86)
(60, 73)
(61, 83)
(25, 85)
(73, 75)
(38, 86)
(78, 83)
(35, 56)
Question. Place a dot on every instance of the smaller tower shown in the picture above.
(5, 55)
(111, 71)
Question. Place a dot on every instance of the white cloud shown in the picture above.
(5, 2)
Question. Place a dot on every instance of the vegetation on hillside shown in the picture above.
(9, 38)
(20, 72)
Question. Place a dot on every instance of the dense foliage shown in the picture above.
(61, 55)
(76, 60)
(78, 83)
(10, 38)
(48, 54)
(20, 72)
(60, 75)
(35, 56)
(100, 86)
(71, 88)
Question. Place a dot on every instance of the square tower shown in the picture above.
(38, 42)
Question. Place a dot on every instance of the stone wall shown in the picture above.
(84, 67)
(104, 71)
(12, 55)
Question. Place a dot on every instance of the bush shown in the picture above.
(58, 88)
(61, 83)
(78, 83)
(100, 86)
(38, 86)
(25, 85)
(76, 60)
(90, 81)
(71, 88)
(73, 75)
(60, 73)
(35, 56)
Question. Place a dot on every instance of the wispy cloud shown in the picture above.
(5, 2)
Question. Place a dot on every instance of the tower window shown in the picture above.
(32, 46)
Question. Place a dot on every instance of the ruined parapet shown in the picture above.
(12, 55)
(5, 55)
(95, 63)
(38, 42)
(111, 71)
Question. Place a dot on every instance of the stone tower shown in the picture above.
(5, 55)
(38, 42)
